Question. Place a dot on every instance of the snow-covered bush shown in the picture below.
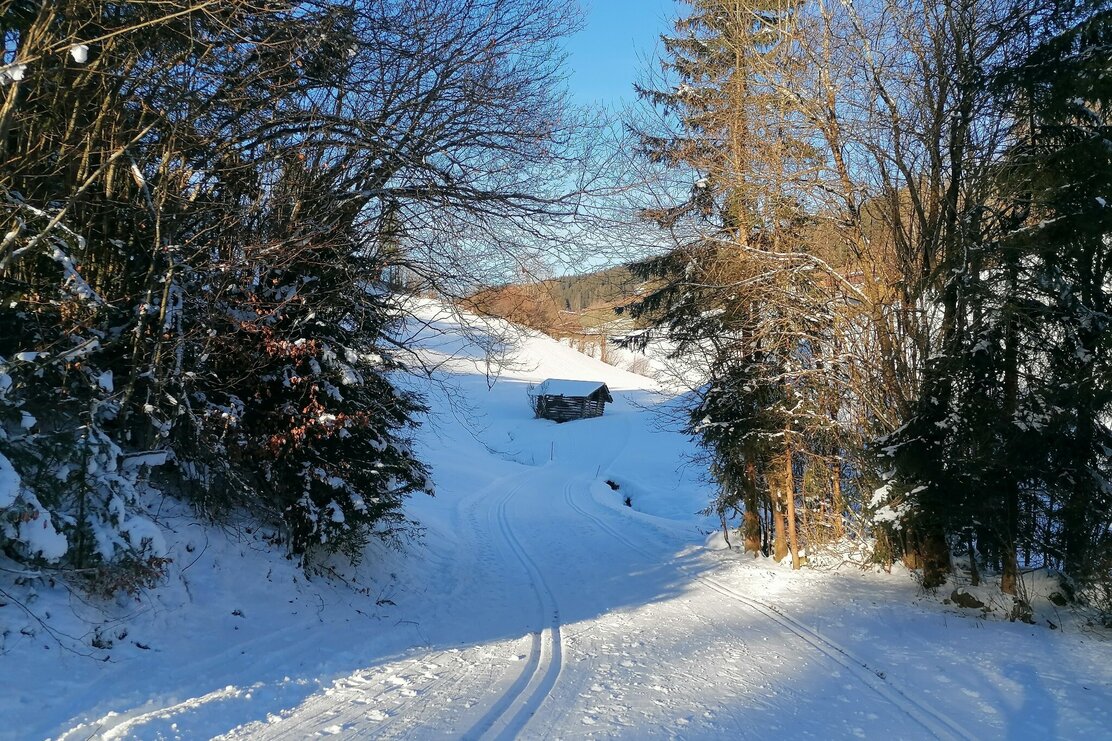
(70, 498)
(288, 410)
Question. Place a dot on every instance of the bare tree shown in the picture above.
(205, 204)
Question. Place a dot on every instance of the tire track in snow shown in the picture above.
(935, 724)
(512, 711)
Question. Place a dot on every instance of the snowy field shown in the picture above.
(538, 605)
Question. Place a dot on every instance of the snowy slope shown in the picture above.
(537, 605)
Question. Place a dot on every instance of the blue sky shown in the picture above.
(609, 54)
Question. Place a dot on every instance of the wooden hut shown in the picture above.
(562, 400)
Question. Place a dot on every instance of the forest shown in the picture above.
(882, 234)
(891, 251)
(568, 306)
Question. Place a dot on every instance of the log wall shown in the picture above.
(567, 408)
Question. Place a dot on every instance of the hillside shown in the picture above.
(570, 306)
(537, 604)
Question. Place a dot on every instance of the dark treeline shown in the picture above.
(893, 255)
(579, 292)
(202, 204)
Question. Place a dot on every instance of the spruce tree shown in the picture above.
(1060, 173)
(1005, 453)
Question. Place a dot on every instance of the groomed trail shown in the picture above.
(607, 633)
(539, 606)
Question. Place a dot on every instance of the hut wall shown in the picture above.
(566, 408)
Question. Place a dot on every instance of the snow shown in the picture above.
(32, 527)
(145, 536)
(148, 458)
(538, 605)
(12, 73)
(889, 514)
(9, 483)
(563, 387)
(40, 537)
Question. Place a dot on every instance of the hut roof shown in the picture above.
(562, 387)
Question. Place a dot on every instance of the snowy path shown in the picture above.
(617, 635)
(538, 606)
(690, 665)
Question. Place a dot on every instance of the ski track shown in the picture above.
(511, 713)
(369, 701)
(935, 724)
(398, 700)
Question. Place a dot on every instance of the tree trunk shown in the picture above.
(789, 502)
(1009, 579)
(974, 572)
(934, 556)
(751, 523)
(839, 503)
(779, 541)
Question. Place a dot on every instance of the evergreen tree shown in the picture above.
(1061, 173)
(735, 287)
(1006, 452)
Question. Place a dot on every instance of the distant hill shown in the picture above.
(581, 292)
(572, 306)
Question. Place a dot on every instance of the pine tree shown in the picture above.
(292, 414)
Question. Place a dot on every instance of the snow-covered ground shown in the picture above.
(538, 605)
